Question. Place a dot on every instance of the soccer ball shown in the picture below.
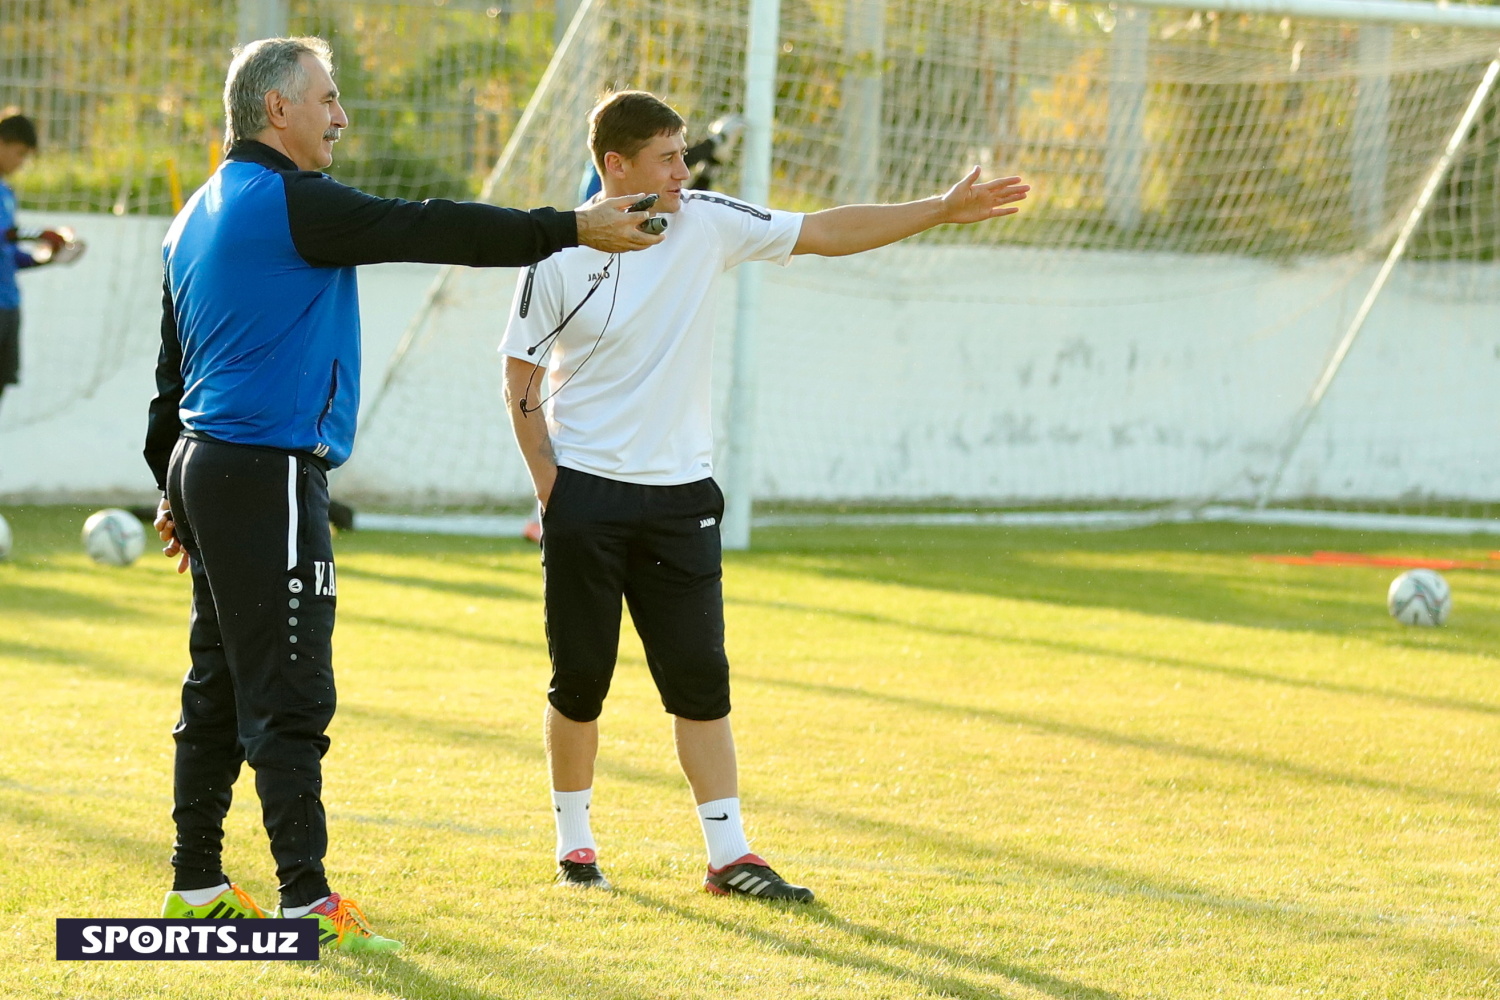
(6, 539)
(1420, 597)
(113, 537)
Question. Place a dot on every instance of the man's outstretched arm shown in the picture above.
(333, 225)
(837, 232)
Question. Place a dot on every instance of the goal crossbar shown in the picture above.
(1415, 12)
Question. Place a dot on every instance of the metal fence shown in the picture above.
(127, 93)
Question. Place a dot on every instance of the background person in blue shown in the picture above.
(258, 388)
(49, 246)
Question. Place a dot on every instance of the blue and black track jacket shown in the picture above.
(260, 310)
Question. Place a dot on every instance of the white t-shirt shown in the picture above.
(635, 404)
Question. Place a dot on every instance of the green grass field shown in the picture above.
(1012, 763)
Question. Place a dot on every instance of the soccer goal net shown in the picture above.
(1257, 265)
(125, 95)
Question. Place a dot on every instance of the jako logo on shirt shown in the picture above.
(324, 583)
(707, 522)
(599, 276)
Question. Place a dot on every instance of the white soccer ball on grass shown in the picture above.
(1420, 597)
(113, 537)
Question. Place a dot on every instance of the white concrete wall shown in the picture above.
(911, 373)
(1004, 376)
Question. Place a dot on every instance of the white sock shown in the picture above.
(723, 832)
(292, 912)
(198, 897)
(571, 811)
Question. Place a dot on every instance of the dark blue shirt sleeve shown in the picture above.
(334, 225)
(162, 422)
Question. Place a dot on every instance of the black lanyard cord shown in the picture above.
(603, 275)
(551, 339)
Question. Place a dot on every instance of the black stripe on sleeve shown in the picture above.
(526, 290)
(738, 206)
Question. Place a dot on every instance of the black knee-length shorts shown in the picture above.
(658, 549)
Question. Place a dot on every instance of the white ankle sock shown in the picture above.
(292, 912)
(571, 811)
(197, 897)
(723, 832)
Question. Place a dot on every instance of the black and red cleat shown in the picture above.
(580, 870)
(751, 876)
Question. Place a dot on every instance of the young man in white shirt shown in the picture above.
(607, 383)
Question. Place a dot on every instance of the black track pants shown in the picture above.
(255, 522)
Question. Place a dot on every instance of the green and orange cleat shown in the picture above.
(233, 903)
(343, 925)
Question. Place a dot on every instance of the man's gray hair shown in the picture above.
(260, 67)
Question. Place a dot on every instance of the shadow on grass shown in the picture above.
(1312, 924)
(1395, 932)
(95, 663)
(967, 854)
(334, 816)
(1109, 652)
(1172, 748)
(1013, 564)
(1016, 973)
(40, 531)
(1438, 957)
(95, 839)
(473, 588)
(23, 599)
(461, 548)
(397, 976)
(527, 746)
(945, 984)
(445, 631)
